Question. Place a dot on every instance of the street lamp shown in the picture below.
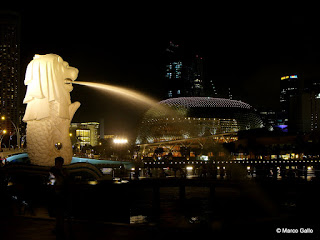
(1, 137)
(120, 143)
(120, 140)
(15, 128)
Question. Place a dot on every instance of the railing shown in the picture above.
(9, 151)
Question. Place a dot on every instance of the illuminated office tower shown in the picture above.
(184, 76)
(174, 80)
(300, 104)
(305, 108)
(197, 88)
(10, 82)
(289, 88)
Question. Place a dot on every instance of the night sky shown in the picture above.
(246, 50)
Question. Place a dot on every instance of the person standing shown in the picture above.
(61, 191)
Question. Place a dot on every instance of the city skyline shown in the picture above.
(159, 121)
(245, 52)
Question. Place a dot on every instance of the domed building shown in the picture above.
(195, 117)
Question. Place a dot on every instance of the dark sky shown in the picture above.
(124, 45)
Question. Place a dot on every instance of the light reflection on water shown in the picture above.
(194, 210)
(139, 219)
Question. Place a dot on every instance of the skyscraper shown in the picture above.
(10, 98)
(300, 103)
(173, 74)
(289, 88)
(311, 104)
(184, 76)
(197, 88)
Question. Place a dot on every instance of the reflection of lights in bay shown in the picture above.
(93, 182)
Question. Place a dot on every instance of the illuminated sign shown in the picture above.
(291, 76)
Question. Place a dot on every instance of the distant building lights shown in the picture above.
(204, 158)
(291, 76)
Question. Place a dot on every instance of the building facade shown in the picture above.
(10, 81)
(300, 103)
(84, 134)
(290, 86)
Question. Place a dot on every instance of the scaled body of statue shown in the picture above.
(49, 109)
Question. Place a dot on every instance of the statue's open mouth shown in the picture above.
(68, 81)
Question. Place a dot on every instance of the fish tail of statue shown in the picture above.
(49, 109)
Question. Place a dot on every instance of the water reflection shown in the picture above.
(196, 209)
(139, 219)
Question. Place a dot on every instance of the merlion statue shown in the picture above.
(49, 109)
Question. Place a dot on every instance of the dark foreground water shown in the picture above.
(255, 208)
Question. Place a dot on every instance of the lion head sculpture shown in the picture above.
(49, 109)
(45, 80)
